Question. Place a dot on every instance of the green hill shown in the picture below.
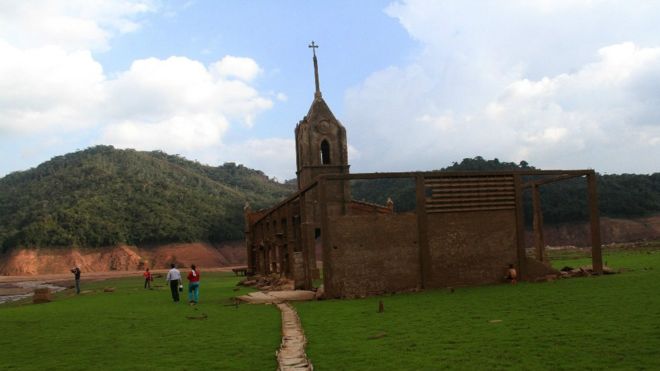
(103, 196)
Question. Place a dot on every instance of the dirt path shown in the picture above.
(291, 355)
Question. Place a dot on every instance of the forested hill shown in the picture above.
(622, 196)
(104, 196)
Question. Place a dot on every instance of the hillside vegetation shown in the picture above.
(104, 196)
(620, 196)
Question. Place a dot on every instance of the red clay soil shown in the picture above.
(611, 230)
(131, 258)
(22, 262)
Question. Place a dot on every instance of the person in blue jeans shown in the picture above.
(76, 274)
(193, 285)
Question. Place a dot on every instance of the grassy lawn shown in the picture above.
(608, 322)
(133, 328)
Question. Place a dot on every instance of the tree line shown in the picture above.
(622, 196)
(104, 196)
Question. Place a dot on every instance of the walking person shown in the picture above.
(147, 279)
(193, 285)
(76, 274)
(174, 279)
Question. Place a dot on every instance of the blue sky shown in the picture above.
(418, 84)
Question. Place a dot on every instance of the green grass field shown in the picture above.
(133, 328)
(608, 322)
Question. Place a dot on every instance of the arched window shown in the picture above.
(325, 152)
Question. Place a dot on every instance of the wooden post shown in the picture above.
(539, 241)
(249, 228)
(326, 242)
(520, 228)
(290, 240)
(422, 233)
(594, 218)
(307, 237)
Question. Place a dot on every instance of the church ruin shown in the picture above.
(466, 229)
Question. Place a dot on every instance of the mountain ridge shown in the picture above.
(102, 196)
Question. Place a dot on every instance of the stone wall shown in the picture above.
(371, 254)
(468, 248)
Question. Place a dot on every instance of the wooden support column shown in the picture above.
(326, 241)
(249, 235)
(422, 233)
(290, 240)
(266, 257)
(594, 218)
(539, 241)
(307, 238)
(520, 228)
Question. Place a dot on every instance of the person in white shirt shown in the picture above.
(174, 279)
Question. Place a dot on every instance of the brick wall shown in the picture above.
(371, 254)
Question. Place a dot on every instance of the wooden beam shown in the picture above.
(520, 229)
(594, 218)
(422, 233)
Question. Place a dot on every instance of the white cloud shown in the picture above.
(47, 88)
(274, 156)
(69, 24)
(552, 84)
(175, 104)
(51, 86)
(241, 68)
(172, 134)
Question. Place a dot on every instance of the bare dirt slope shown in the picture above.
(130, 258)
(121, 258)
(612, 231)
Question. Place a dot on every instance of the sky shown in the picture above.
(417, 84)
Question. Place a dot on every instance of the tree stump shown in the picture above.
(42, 295)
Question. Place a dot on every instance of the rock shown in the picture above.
(42, 295)
(109, 289)
(379, 335)
(201, 317)
(319, 295)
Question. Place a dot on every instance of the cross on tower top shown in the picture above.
(317, 93)
(313, 46)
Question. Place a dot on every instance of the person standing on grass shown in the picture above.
(174, 279)
(76, 274)
(147, 279)
(193, 285)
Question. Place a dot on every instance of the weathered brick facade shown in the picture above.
(467, 227)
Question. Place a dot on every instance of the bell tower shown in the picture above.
(321, 146)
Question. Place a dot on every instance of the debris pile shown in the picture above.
(583, 271)
(269, 283)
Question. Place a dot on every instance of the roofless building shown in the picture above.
(466, 229)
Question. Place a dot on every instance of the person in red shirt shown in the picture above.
(147, 279)
(193, 285)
